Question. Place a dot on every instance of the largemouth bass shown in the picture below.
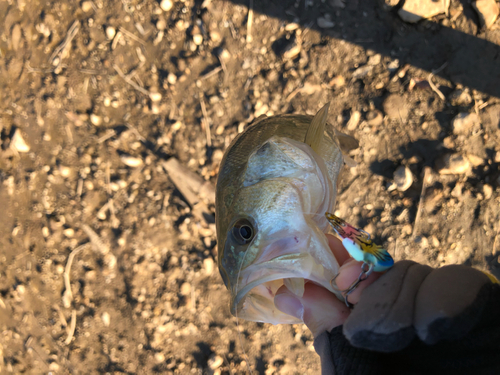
(276, 181)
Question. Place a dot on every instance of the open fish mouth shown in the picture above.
(253, 296)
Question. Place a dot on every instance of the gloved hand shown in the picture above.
(412, 300)
(416, 317)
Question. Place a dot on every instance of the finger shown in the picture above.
(319, 309)
(348, 274)
(338, 249)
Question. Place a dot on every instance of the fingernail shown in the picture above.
(288, 303)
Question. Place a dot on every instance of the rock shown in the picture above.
(460, 97)
(490, 117)
(452, 164)
(172, 78)
(487, 191)
(375, 59)
(362, 71)
(395, 107)
(414, 10)
(155, 96)
(161, 24)
(403, 178)
(337, 3)
(198, 39)
(325, 23)
(16, 36)
(487, 10)
(374, 118)
(215, 361)
(166, 5)
(392, 3)
(354, 120)
(106, 320)
(475, 160)
(131, 161)
(95, 120)
(208, 264)
(18, 142)
(110, 32)
(87, 6)
(337, 81)
(465, 122)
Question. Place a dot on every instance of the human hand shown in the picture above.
(319, 309)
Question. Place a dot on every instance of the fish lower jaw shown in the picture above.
(254, 301)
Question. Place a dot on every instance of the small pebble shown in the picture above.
(105, 319)
(215, 361)
(487, 191)
(95, 120)
(374, 118)
(155, 96)
(487, 10)
(110, 32)
(362, 71)
(69, 232)
(87, 6)
(16, 36)
(475, 160)
(403, 178)
(353, 122)
(166, 5)
(19, 143)
(131, 161)
(325, 23)
(185, 289)
(208, 264)
(198, 39)
(172, 78)
(452, 164)
(159, 357)
(463, 123)
(161, 24)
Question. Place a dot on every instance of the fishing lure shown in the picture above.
(360, 246)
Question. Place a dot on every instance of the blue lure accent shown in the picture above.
(360, 246)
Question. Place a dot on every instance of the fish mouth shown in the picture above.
(254, 299)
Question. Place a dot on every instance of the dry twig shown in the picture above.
(95, 240)
(68, 294)
(205, 119)
(59, 51)
(421, 201)
(433, 86)
(249, 22)
(132, 36)
(130, 82)
(72, 327)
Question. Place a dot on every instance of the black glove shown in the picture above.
(416, 319)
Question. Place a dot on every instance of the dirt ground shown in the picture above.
(95, 96)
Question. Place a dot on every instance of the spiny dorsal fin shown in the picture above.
(316, 129)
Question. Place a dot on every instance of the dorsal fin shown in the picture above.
(314, 133)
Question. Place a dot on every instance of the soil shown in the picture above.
(85, 130)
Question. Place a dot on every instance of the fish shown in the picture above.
(276, 181)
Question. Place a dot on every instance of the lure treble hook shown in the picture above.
(361, 247)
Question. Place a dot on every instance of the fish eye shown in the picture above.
(243, 231)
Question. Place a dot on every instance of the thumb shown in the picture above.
(319, 309)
